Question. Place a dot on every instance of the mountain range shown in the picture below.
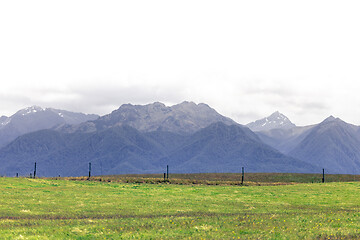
(184, 118)
(123, 149)
(188, 137)
(36, 118)
(332, 144)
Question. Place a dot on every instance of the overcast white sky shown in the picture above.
(246, 59)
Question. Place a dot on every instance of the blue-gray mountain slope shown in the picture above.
(222, 148)
(333, 145)
(119, 149)
(123, 149)
(284, 140)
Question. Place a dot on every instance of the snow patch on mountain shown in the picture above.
(30, 110)
(36, 118)
(4, 121)
(275, 120)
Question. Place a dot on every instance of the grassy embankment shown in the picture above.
(60, 209)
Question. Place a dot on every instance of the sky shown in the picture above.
(246, 59)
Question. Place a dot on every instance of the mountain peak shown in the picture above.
(276, 113)
(187, 103)
(331, 118)
(35, 108)
(333, 143)
(278, 116)
(158, 104)
(331, 122)
(29, 110)
(183, 118)
(136, 106)
(36, 118)
(275, 120)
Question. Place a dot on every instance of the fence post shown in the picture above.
(164, 177)
(89, 169)
(167, 172)
(17, 174)
(35, 170)
(242, 176)
(323, 178)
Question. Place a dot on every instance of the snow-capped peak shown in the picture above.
(30, 110)
(278, 117)
(275, 120)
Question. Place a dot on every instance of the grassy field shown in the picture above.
(251, 179)
(61, 209)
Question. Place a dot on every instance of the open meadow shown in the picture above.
(63, 209)
(251, 179)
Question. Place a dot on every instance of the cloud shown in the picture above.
(268, 87)
(248, 116)
(313, 106)
(243, 60)
(244, 101)
(104, 98)
(11, 102)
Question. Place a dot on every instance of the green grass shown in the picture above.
(251, 179)
(60, 209)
